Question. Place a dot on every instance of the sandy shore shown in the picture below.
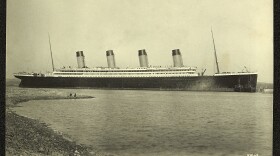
(26, 136)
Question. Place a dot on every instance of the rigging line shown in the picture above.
(51, 52)
(218, 70)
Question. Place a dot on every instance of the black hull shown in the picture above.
(237, 83)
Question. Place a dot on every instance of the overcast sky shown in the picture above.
(243, 31)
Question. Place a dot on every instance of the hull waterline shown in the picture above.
(236, 83)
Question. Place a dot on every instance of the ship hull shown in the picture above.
(237, 83)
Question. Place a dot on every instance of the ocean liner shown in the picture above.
(177, 77)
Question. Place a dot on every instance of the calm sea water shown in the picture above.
(132, 122)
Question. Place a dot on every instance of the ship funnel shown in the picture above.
(80, 59)
(177, 58)
(143, 58)
(110, 59)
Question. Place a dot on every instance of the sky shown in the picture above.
(243, 32)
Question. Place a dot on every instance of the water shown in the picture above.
(131, 122)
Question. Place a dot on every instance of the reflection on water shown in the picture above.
(162, 122)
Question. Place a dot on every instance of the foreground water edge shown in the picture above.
(162, 123)
(26, 136)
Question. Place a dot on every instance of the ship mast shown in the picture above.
(217, 64)
(51, 51)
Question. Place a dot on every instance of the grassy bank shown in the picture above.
(26, 136)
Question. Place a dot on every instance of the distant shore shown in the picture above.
(25, 136)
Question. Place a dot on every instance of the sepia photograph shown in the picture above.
(139, 78)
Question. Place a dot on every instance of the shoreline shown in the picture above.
(26, 136)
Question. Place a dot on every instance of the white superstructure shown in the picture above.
(127, 72)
